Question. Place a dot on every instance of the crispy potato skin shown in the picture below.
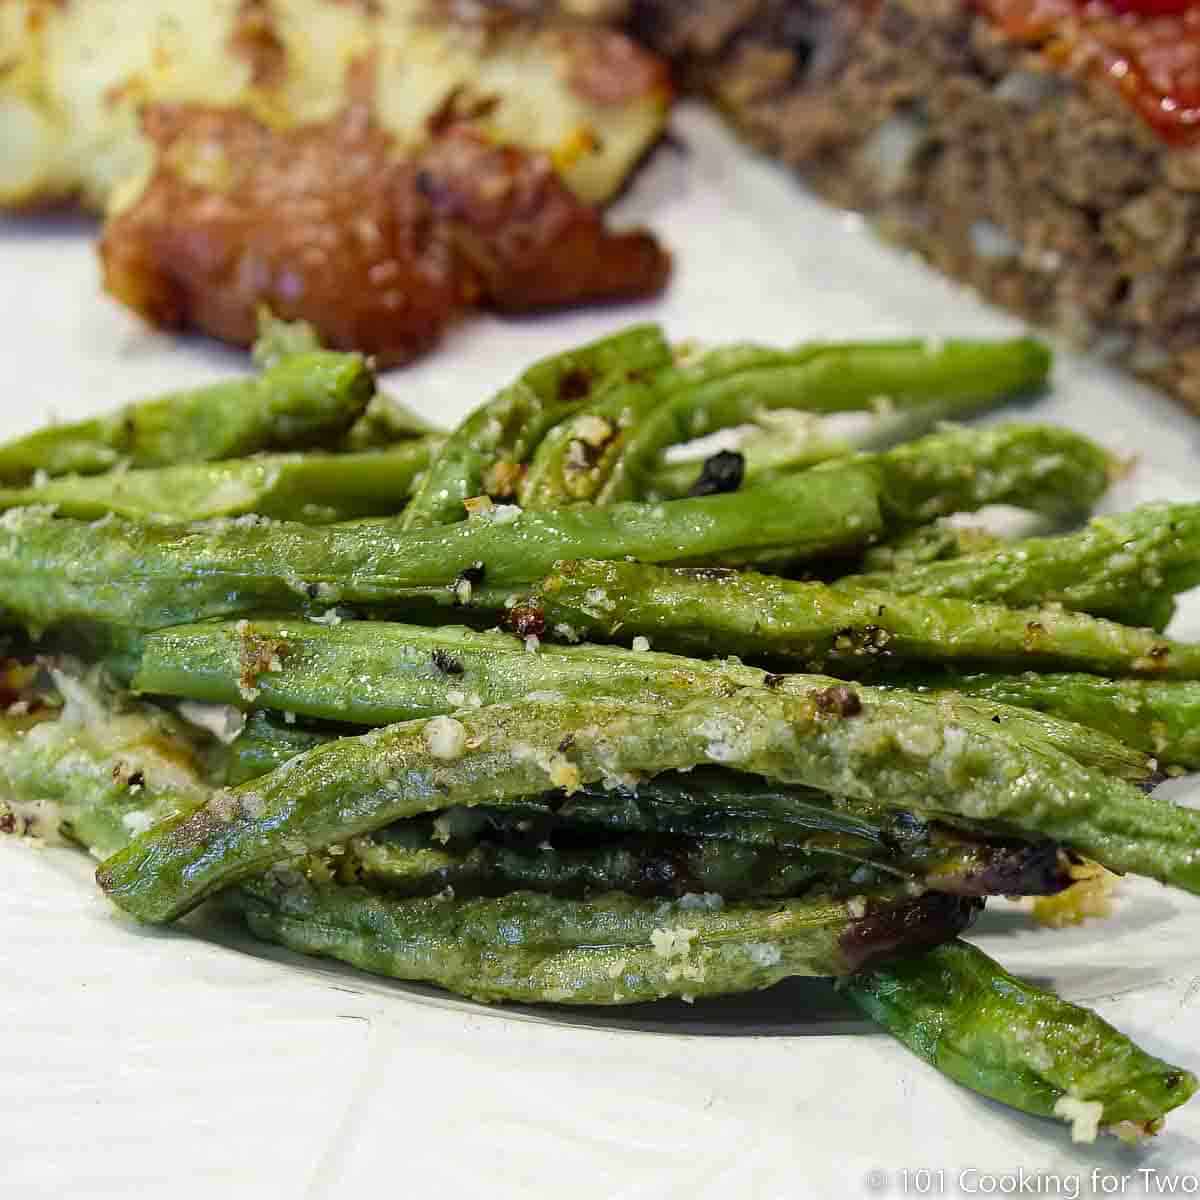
(333, 223)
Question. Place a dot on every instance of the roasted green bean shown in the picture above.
(303, 400)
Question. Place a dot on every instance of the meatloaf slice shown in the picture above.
(1009, 162)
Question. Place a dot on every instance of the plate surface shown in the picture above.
(194, 1062)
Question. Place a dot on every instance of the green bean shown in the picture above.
(705, 808)
(278, 339)
(1043, 468)
(887, 749)
(577, 456)
(313, 488)
(925, 544)
(577, 459)
(831, 378)
(267, 742)
(1104, 569)
(764, 456)
(724, 806)
(386, 422)
(697, 848)
(1159, 718)
(1016, 1043)
(404, 671)
(656, 868)
(507, 430)
(613, 949)
(98, 774)
(815, 625)
(58, 573)
(791, 441)
(105, 771)
(304, 400)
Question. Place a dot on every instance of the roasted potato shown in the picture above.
(379, 250)
(75, 76)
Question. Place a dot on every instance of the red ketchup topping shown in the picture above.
(1149, 50)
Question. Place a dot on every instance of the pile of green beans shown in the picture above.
(462, 707)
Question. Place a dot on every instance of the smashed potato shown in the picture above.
(378, 250)
(75, 76)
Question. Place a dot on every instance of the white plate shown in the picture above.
(194, 1062)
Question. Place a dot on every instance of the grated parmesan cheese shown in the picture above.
(223, 721)
(763, 954)
(445, 737)
(1091, 894)
(1082, 1115)
(137, 822)
(673, 943)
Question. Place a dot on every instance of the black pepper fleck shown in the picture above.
(722, 472)
(446, 663)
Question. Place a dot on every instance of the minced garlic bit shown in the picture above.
(445, 737)
(1090, 895)
(502, 478)
(564, 774)
(593, 430)
(479, 506)
(1082, 1115)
